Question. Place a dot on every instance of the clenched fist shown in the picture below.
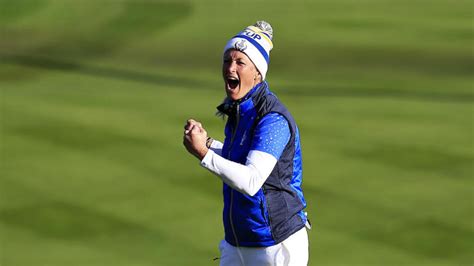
(194, 138)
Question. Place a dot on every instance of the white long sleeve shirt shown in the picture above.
(248, 178)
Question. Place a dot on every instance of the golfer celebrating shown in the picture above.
(259, 162)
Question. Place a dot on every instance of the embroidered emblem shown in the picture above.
(241, 45)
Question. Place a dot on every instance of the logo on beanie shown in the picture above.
(252, 34)
(240, 45)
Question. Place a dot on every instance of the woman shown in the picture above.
(259, 161)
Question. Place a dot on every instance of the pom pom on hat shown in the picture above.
(265, 27)
(256, 42)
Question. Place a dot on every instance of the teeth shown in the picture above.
(232, 81)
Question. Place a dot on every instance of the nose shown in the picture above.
(231, 67)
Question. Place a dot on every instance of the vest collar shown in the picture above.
(229, 107)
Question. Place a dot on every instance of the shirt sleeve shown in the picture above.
(271, 135)
(216, 146)
(248, 178)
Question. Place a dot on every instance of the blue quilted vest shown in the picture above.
(276, 211)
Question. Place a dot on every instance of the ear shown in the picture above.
(256, 75)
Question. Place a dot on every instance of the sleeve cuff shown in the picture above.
(206, 161)
(215, 144)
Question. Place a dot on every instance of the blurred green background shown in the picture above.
(94, 96)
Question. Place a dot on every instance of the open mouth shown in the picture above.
(233, 82)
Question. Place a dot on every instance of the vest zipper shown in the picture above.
(231, 221)
(234, 131)
(232, 190)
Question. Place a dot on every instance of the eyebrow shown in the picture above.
(241, 58)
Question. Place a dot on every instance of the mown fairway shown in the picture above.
(94, 96)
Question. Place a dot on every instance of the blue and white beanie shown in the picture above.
(256, 42)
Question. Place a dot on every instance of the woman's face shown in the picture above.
(240, 74)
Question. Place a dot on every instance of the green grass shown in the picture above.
(94, 96)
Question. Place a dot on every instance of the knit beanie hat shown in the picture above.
(256, 42)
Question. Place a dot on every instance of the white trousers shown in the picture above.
(293, 251)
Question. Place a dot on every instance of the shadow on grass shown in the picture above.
(185, 82)
(73, 224)
(63, 32)
(67, 221)
(106, 72)
(303, 91)
(405, 230)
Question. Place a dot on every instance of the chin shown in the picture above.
(233, 97)
(232, 93)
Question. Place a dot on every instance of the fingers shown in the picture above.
(195, 130)
(190, 124)
(187, 129)
(194, 138)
